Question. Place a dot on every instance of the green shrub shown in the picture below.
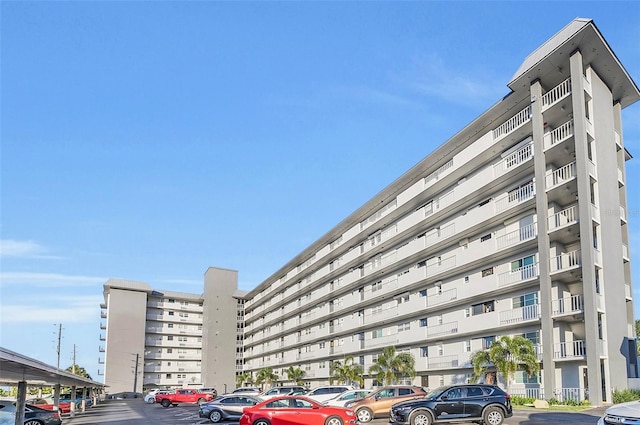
(585, 403)
(553, 401)
(518, 400)
(622, 396)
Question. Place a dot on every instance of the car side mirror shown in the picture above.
(445, 398)
(315, 406)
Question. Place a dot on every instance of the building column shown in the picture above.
(542, 212)
(20, 401)
(594, 374)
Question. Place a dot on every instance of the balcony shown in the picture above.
(382, 341)
(513, 160)
(523, 234)
(515, 197)
(569, 350)
(520, 314)
(102, 338)
(443, 297)
(566, 217)
(514, 123)
(518, 275)
(568, 305)
(442, 362)
(561, 175)
(558, 135)
(442, 329)
(565, 261)
(556, 94)
(628, 294)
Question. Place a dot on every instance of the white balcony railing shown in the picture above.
(515, 197)
(565, 261)
(520, 314)
(520, 274)
(556, 94)
(443, 297)
(561, 175)
(564, 217)
(572, 349)
(443, 329)
(514, 159)
(442, 362)
(513, 123)
(572, 304)
(559, 134)
(522, 234)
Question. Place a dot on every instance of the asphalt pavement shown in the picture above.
(137, 412)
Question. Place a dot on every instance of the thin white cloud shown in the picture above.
(433, 77)
(48, 280)
(26, 313)
(22, 249)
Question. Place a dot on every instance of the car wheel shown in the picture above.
(165, 402)
(262, 422)
(493, 416)
(151, 400)
(32, 422)
(215, 416)
(334, 420)
(201, 401)
(420, 418)
(364, 415)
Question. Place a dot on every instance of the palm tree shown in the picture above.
(295, 374)
(266, 375)
(507, 355)
(391, 367)
(244, 379)
(347, 372)
(78, 370)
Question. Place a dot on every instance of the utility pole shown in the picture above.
(135, 375)
(73, 366)
(59, 339)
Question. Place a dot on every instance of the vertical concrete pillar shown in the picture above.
(20, 401)
(542, 208)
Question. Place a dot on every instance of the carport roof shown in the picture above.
(15, 367)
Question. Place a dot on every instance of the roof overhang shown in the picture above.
(16, 368)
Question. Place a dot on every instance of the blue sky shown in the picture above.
(151, 140)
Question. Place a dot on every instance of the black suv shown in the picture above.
(486, 404)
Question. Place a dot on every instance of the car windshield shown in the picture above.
(435, 392)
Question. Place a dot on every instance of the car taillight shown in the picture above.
(56, 415)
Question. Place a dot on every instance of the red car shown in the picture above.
(183, 396)
(296, 410)
(47, 404)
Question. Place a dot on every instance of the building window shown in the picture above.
(423, 293)
(169, 337)
(423, 322)
(486, 307)
(376, 333)
(525, 300)
(404, 326)
(467, 346)
(170, 325)
(171, 313)
(487, 272)
(168, 376)
(466, 279)
(424, 351)
(487, 341)
(485, 238)
(171, 300)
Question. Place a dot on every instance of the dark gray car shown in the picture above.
(227, 407)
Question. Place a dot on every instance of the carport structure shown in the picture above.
(23, 371)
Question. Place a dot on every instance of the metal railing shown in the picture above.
(566, 216)
(572, 304)
(513, 123)
(520, 274)
(559, 134)
(520, 314)
(556, 94)
(566, 260)
(514, 159)
(524, 233)
(561, 175)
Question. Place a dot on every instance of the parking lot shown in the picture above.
(136, 412)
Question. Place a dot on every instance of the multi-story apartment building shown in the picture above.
(179, 339)
(515, 226)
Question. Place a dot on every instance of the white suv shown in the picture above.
(325, 393)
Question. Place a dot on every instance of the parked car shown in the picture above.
(47, 404)
(66, 398)
(296, 410)
(32, 415)
(326, 392)
(151, 396)
(488, 404)
(378, 402)
(227, 407)
(212, 391)
(247, 390)
(183, 396)
(623, 413)
(347, 396)
(284, 390)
